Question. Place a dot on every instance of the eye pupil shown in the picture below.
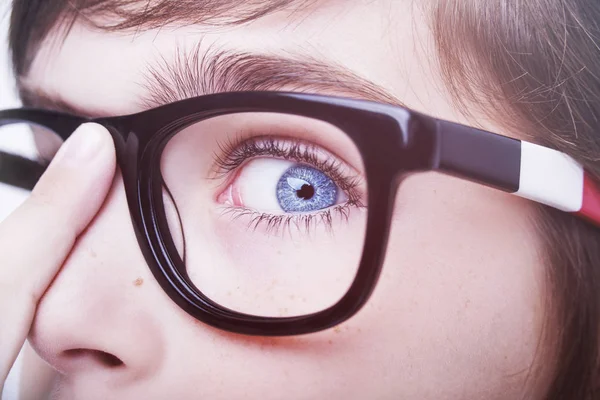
(306, 192)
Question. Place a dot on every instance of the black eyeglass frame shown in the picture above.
(393, 141)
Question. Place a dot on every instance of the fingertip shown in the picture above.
(87, 142)
(79, 177)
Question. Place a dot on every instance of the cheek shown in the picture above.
(460, 299)
(463, 283)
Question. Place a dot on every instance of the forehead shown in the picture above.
(385, 42)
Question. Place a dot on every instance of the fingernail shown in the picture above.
(81, 146)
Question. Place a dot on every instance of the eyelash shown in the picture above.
(234, 153)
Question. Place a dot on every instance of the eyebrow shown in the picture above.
(198, 72)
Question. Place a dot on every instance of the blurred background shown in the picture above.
(10, 197)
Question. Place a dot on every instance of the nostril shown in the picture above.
(103, 358)
(109, 359)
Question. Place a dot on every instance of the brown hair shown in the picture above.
(533, 66)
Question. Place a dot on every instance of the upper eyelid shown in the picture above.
(298, 150)
(298, 134)
(348, 180)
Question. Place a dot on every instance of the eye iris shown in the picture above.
(304, 189)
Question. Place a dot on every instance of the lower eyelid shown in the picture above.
(291, 223)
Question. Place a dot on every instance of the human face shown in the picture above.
(458, 311)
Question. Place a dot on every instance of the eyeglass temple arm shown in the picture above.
(528, 170)
(19, 171)
(22, 172)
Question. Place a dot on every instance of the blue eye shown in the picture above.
(305, 189)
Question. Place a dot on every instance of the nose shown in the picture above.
(98, 318)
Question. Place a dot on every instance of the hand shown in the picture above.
(36, 239)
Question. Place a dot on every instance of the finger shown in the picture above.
(38, 236)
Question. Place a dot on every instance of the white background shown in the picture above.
(10, 198)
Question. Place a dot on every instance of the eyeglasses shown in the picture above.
(268, 213)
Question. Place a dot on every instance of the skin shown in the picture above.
(458, 312)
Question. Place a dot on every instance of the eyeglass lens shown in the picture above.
(267, 211)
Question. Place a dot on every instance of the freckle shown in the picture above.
(292, 297)
(93, 254)
(229, 293)
(283, 312)
(138, 282)
(330, 341)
